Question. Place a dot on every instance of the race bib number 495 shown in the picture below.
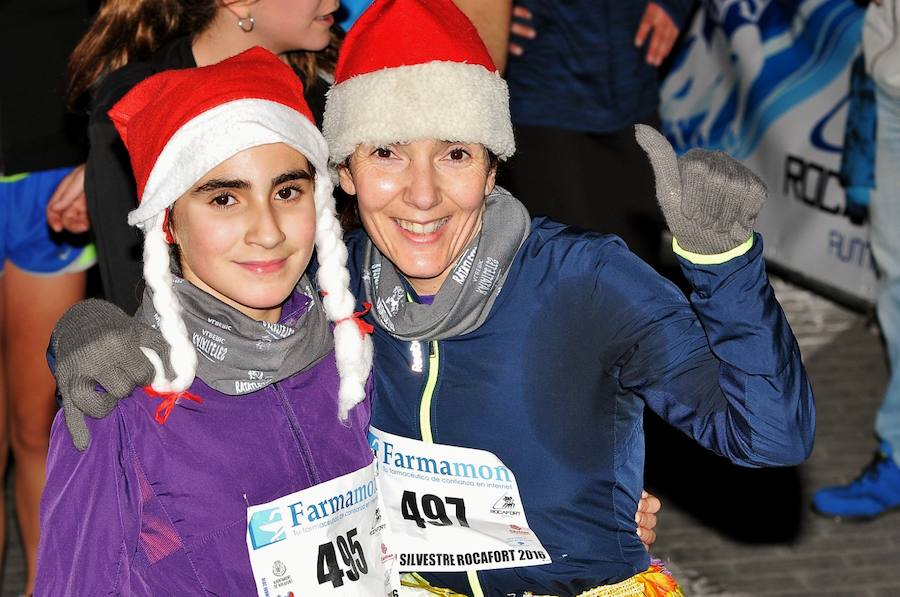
(325, 540)
(452, 508)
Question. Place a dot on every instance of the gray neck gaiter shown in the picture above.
(238, 355)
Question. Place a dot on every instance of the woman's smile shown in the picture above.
(421, 231)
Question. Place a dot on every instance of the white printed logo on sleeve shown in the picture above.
(327, 539)
(452, 508)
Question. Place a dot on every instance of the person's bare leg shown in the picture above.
(32, 307)
(4, 428)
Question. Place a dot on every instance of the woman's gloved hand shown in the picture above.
(709, 199)
(97, 344)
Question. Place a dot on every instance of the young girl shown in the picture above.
(231, 172)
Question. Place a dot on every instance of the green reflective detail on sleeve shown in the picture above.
(14, 177)
(699, 259)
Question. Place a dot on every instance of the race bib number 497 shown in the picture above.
(325, 540)
(452, 508)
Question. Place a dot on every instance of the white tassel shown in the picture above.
(159, 376)
(182, 356)
(353, 352)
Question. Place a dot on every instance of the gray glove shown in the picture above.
(709, 199)
(97, 344)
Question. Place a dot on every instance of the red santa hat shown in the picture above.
(416, 69)
(180, 124)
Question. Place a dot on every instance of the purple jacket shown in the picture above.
(157, 510)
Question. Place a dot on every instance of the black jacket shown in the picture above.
(36, 130)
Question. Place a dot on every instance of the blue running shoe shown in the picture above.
(874, 492)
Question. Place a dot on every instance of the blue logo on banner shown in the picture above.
(267, 527)
(374, 442)
(746, 63)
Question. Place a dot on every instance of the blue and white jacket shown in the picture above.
(582, 336)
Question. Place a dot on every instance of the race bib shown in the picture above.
(452, 508)
(324, 540)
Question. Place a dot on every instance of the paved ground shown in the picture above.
(750, 532)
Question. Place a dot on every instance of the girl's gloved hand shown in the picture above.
(709, 199)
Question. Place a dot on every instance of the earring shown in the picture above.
(246, 25)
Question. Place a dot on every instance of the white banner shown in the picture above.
(767, 82)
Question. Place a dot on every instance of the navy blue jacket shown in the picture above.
(554, 382)
(582, 72)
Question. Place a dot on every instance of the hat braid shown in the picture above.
(353, 350)
(182, 356)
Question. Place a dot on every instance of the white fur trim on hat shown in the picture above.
(451, 101)
(216, 135)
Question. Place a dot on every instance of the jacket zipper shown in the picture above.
(302, 446)
(434, 363)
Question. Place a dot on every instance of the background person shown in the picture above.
(877, 489)
(41, 274)
(580, 76)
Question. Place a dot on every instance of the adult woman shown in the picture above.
(551, 374)
(226, 158)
